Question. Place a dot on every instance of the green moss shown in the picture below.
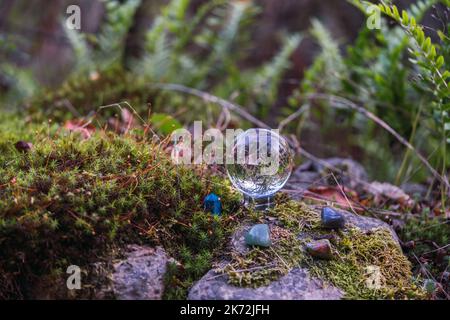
(296, 216)
(74, 201)
(355, 253)
(427, 232)
(71, 201)
(83, 95)
(86, 93)
(260, 266)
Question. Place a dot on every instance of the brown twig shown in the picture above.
(335, 102)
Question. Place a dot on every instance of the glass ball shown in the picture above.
(261, 163)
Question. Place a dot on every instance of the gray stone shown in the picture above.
(352, 172)
(320, 249)
(415, 189)
(367, 224)
(296, 285)
(332, 219)
(259, 235)
(141, 275)
(237, 242)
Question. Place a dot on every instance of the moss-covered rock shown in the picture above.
(75, 201)
(367, 262)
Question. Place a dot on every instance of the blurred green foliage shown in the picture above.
(397, 74)
(74, 201)
(73, 191)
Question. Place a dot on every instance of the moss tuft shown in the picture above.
(359, 258)
(260, 266)
(72, 201)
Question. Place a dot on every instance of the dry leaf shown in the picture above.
(84, 128)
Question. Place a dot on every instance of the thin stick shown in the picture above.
(214, 99)
(119, 105)
(281, 259)
(343, 193)
(292, 116)
(334, 100)
(347, 103)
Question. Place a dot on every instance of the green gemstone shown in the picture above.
(259, 235)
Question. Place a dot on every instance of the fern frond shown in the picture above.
(424, 50)
(162, 41)
(231, 27)
(82, 53)
(109, 44)
(328, 64)
(432, 64)
(420, 8)
(111, 41)
(267, 80)
(192, 23)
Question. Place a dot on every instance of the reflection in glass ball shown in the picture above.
(261, 164)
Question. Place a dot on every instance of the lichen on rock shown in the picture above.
(259, 266)
(367, 260)
(368, 266)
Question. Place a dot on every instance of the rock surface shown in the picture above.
(366, 224)
(296, 285)
(141, 275)
(347, 171)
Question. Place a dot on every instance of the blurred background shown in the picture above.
(34, 28)
(264, 55)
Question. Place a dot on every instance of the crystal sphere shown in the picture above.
(260, 163)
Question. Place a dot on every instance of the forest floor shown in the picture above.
(75, 193)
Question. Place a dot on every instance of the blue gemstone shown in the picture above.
(213, 204)
(332, 219)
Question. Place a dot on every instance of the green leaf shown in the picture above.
(164, 123)
(405, 18)
(420, 36)
(440, 62)
(446, 74)
(427, 44)
(395, 11)
(388, 10)
(432, 53)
